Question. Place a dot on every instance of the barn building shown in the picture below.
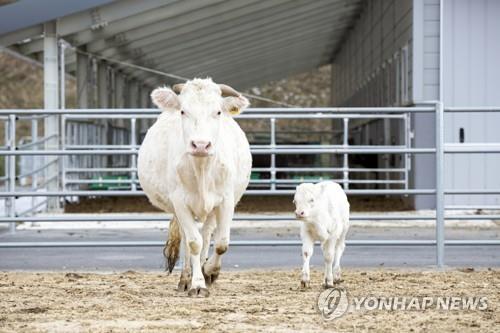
(383, 53)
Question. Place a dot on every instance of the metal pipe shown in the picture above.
(263, 151)
(12, 172)
(248, 192)
(238, 217)
(34, 176)
(345, 171)
(141, 112)
(439, 185)
(133, 161)
(273, 156)
(292, 242)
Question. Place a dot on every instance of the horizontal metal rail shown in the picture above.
(167, 217)
(248, 192)
(257, 151)
(472, 109)
(141, 112)
(312, 169)
(354, 242)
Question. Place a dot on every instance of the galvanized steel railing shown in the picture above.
(274, 184)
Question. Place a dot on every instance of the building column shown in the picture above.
(102, 85)
(119, 90)
(133, 94)
(82, 80)
(51, 101)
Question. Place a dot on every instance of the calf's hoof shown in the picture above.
(305, 284)
(210, 277)
(198, 292)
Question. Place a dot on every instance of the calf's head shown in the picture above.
(201, 105)
(305, 199)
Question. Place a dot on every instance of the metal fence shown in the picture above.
(71, 153)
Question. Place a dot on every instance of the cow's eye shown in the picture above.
(182, 112)
(311, 200)
(219, 113)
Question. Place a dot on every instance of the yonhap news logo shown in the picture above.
(335, 302)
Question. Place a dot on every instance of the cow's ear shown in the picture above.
(235, 105)
(165, 99)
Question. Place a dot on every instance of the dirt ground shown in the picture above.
(240, 301)
(249, 204)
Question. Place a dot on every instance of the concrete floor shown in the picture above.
(150, 258)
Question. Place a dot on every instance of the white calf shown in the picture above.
(324, 210)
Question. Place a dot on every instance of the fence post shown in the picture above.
(133, 143)
(346, 156)
(273, 156)
(439, 185)
(12, 171)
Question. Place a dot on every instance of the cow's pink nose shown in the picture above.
(299, 214)
(200, 145)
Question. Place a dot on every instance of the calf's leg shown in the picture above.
(328, 248)
(339, 250)
(307, 252)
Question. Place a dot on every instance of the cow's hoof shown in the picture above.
(184, 284)
(327, 284)
(336, 275)
(198, 292)
(211, 277)
(305, 284)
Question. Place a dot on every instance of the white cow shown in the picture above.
(195, 162)
(324, 210)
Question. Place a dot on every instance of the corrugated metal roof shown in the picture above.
(240, 42)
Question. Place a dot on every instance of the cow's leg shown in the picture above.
(185, 280)
(224, 215)
(206, 232)
(194, 244)
(339, 250)
(328, 248)
(307, 252)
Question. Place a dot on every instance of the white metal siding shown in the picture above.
(472, 78)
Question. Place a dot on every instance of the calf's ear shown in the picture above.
(235, 105)
(165, 99)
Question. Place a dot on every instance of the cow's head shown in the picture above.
(305, 199)
(201, 105)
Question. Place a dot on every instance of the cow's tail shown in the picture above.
(173, 244)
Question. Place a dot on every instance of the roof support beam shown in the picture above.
(216, 47)
(324, 37)
(200, 22)
(117, 17)
(20, 35)
(257, 50)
